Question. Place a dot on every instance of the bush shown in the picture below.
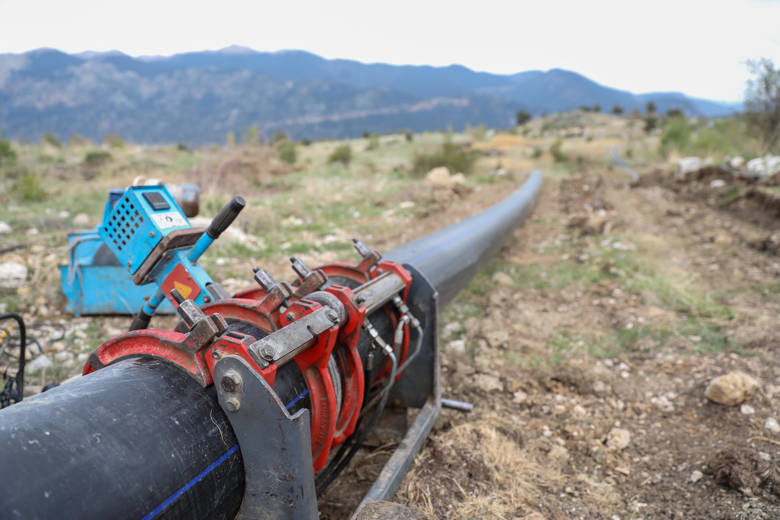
(455, 158)
(557, 153)
(52, 140)
(676, 136)
(650, 123)
(409, 136)
(78, 140)
(342, 154)
(537, 152)
(373, 142)
(278, 136)
(650, 108)
(674, 112)
(114, 140)
(7, 153)
(251, 136)
(29, 187)
(287, 152)
(97, 157)
(617, 110)
(522, 117)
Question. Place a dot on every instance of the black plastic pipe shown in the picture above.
(140, 439)
(450, 257)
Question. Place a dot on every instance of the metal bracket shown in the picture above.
(275, 446)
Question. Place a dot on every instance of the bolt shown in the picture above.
(359, 300)
(232, 404)
(206, 299)
(129, 263)
(331, 315)
(216, 354)
(267, 352)
(290, 316)
(151, 234)
(231, 381)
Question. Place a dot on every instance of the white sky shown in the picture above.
(697, 47)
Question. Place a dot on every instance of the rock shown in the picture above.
(731, 389)
(746, 409)
(696, 476)
(618, 438)
(497, 338)
(558, 454)
(81, 219)
(717, 183)
(384, 510)
(63, 356)
(12, 275)
(503, 279)
(737, 162)
(438, 177)
(452, 328)
(689, 164)
(764, 166)
(772, 425)
(4, 227)
(38, 364)
(519, 397)
(456, 345)
(488, 382)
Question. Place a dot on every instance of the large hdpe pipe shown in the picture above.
(140, 439)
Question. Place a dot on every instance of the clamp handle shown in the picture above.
(225, 217)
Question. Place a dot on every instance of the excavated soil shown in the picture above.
(586, 351)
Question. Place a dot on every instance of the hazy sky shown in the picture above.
(697, 47)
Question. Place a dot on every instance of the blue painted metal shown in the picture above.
(133, 228)
(100, 289)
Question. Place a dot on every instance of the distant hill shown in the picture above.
(198, 97)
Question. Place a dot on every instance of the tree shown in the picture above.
(674, 112)
(522, 117)
(762, 102)
(7, 153)
(114, 140)
(251, 136)
(278, 136)
(52, 140)
(617, 110)
(650, 107)
(231, 139)
(597, 108)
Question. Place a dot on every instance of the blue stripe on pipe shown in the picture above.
(168, 501)
(303, 394)
(457, 237)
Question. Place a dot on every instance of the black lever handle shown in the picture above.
(225, 217)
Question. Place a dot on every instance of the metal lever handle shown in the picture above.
(225, 217)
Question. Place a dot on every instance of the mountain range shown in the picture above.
(199, 97)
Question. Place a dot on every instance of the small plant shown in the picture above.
(537, 152)
(181, 147)
(7, 153)
(650, 108)
(52, 140)
(522, 117)
(114, 140)
(617, 110)
(97, 157)
(651, 123)
(251, 136)
(342, 154)
(674, 113)
(455, 158)
(676, 136)
(29, 187)
(409, 136)
(287, 152)
(278, 136)
(230, 139)
(77, 140)
(557, 153)
(373, 142)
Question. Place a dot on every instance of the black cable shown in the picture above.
(8, 393)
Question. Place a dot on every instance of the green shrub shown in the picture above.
(114, 140)
(29, 187)
(52, 140)
(409, 136)
(676, 136)
(287, 152)
(522, 117)
(617, 110)
(77, 140)
(456, 158)
(97, 157)
(342, 154)
(373, 142)
(7, 153)
(278, 136)
(557, 153)
(537, 152)
(650, 123)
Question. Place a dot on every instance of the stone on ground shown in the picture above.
(731, 389)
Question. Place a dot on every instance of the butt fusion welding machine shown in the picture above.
(300, 367)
